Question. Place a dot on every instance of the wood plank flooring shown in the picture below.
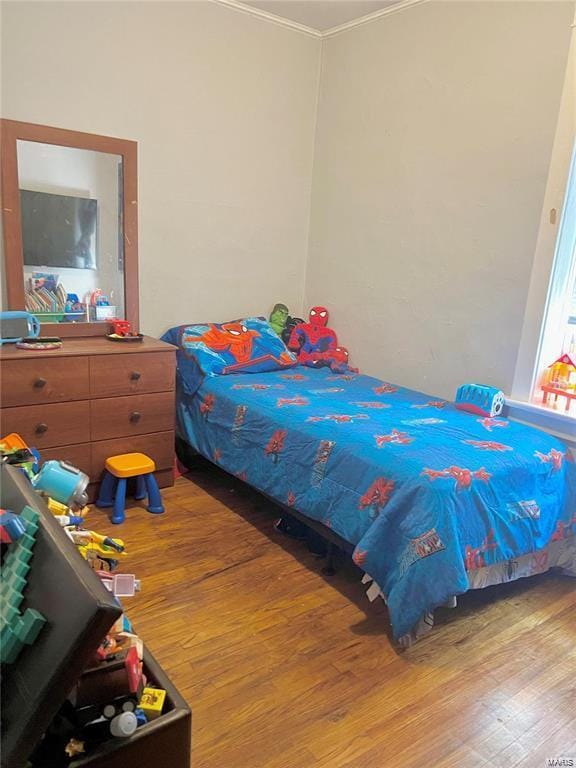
(286, 668)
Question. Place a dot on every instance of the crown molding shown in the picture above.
(310, 31)
(396, 8)
(271, 17)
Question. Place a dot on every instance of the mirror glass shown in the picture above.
(72, 232)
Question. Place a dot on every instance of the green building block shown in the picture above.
(7, 592)
(12, 598)
(19, 567)
(17, 629)
(10, 646)
(9, 558)
(32, 518)
(31, 624)
(26, 541)
(15, 566)
(8, 613)
(15, 582)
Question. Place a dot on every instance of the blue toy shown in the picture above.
(11, 527)
(480, 399)
(16, 325)
(118, 469)
(62, 482)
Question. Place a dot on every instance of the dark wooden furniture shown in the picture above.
(91, 399)
(76, 624)
(36, 684)
(10, 132)
(165, 741)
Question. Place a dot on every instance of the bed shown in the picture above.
(433, 501)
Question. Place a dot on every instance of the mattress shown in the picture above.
(425, 493)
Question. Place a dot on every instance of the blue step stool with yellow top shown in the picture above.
(113, 486)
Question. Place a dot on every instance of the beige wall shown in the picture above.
(433, 143)
(223, 107)
(435, 130)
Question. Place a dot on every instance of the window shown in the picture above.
(558, 335)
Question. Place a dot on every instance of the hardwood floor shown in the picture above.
(286, 668)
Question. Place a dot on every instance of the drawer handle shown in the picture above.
(40, 382)
(41, 428)
(135, 375)
(135, 416)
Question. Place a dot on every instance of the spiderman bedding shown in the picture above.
(425, 493)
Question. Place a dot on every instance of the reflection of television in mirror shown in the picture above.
(58, 230)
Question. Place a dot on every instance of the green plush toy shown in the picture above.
(279, 317)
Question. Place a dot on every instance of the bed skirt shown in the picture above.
(558, 554)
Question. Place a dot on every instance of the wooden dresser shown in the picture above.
(91, 399)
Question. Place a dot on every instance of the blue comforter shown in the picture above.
(423, 491)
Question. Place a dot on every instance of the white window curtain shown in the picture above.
(558, 335)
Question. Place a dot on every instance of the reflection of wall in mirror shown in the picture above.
(80, 173)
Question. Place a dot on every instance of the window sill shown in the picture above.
(558, 423)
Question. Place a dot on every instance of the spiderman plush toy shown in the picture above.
(316, 345)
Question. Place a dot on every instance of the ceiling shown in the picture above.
(320, 15)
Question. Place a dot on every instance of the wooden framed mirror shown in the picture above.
(70, 222)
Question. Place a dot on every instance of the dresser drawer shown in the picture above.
(79, 456)
(131, 374)
(159, 446)
(44, 426)
(35, 381)
(133, 415)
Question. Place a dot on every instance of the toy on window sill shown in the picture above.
(559, 380)
(316, 345)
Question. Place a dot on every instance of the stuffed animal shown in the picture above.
(291, 323)
(317, 345)
(279, 317)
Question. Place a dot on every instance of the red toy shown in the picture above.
(316, 345)
(121, 327)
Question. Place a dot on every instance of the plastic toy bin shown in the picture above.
(78, 611)
(165, 741)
